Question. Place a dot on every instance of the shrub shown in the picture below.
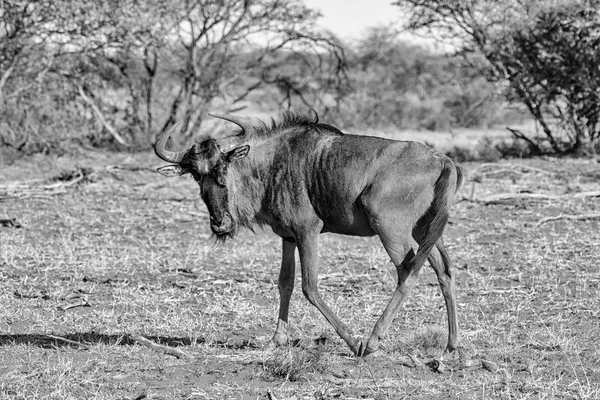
(294, 363)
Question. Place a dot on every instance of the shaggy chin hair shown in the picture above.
(222, 238)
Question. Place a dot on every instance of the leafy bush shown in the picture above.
(410, 87)
(546, 54)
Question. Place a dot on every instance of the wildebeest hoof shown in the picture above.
(362, 349)
(371, 347)
(278, 340)
(270, 346)
(357, 348)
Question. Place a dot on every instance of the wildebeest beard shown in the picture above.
(220, 238)
(239, 206)
(237, 222)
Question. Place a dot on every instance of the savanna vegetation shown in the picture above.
(544, 54)
(111, 286)
(114, 73)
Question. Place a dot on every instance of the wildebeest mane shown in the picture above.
(290, 120)
(247, 176)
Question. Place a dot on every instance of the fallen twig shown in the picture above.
(508, 197)
(163, 349)
(10, 223)
(62, 339)
(488, 365)
(34, 189)
(42, 295)
(82, 303)
(126, 167)
(569, 217)
(410, 361)
(511, 166)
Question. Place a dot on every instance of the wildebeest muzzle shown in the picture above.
(222, 225)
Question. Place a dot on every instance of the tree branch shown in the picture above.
(88, 100)
(521, 136)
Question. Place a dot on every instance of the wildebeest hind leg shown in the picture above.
(286, 287)
(441, 263)
(408, 276)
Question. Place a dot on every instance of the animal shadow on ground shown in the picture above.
(85, 339)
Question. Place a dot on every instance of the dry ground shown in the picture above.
(120, 251)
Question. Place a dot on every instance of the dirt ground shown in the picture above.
(97, 251)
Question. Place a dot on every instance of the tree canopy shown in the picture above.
(159, 61)
(548, 54)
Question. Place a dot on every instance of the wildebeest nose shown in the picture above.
(224, 225)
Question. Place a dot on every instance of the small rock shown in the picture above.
(10, 223)
(490, 366)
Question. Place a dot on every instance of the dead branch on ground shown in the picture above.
(33, 189)
(504, 198)
(81, 303)
(73, 342)
(163, 349)
(492, 169)
(10, 223)
(579, 217)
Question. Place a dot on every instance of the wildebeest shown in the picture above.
(303, 178)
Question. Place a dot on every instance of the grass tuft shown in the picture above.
(424, 340)
(293, 363)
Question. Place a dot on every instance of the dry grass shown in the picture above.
(294, 363)
(463, 138)
(129, 253)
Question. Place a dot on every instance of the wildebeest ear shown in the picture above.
(172, 170)
(238, 152)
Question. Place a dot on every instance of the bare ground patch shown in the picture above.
(127, 253)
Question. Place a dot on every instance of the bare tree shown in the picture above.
(205, 50)
(547, 52)
(22, 36)
(135, 67)
(26, 27)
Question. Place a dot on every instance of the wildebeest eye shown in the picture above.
(219, 173)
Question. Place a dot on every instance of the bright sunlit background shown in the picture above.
(349, 18)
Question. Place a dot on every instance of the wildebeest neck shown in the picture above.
(271, 174)
(247, 182)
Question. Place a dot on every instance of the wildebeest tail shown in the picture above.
(437, 216)
(459, 177)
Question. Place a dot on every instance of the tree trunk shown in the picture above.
(583, 147)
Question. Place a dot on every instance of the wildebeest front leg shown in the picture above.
(286, 287)
(309, 264)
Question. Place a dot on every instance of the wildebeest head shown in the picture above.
(207, 160)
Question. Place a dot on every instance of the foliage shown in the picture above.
(116, 72)
(139, 66)
(38, 100)
(547, 53)
(408, 86)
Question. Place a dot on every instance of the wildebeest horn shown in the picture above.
(315, 115)
(243, 123)
(159, 147)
